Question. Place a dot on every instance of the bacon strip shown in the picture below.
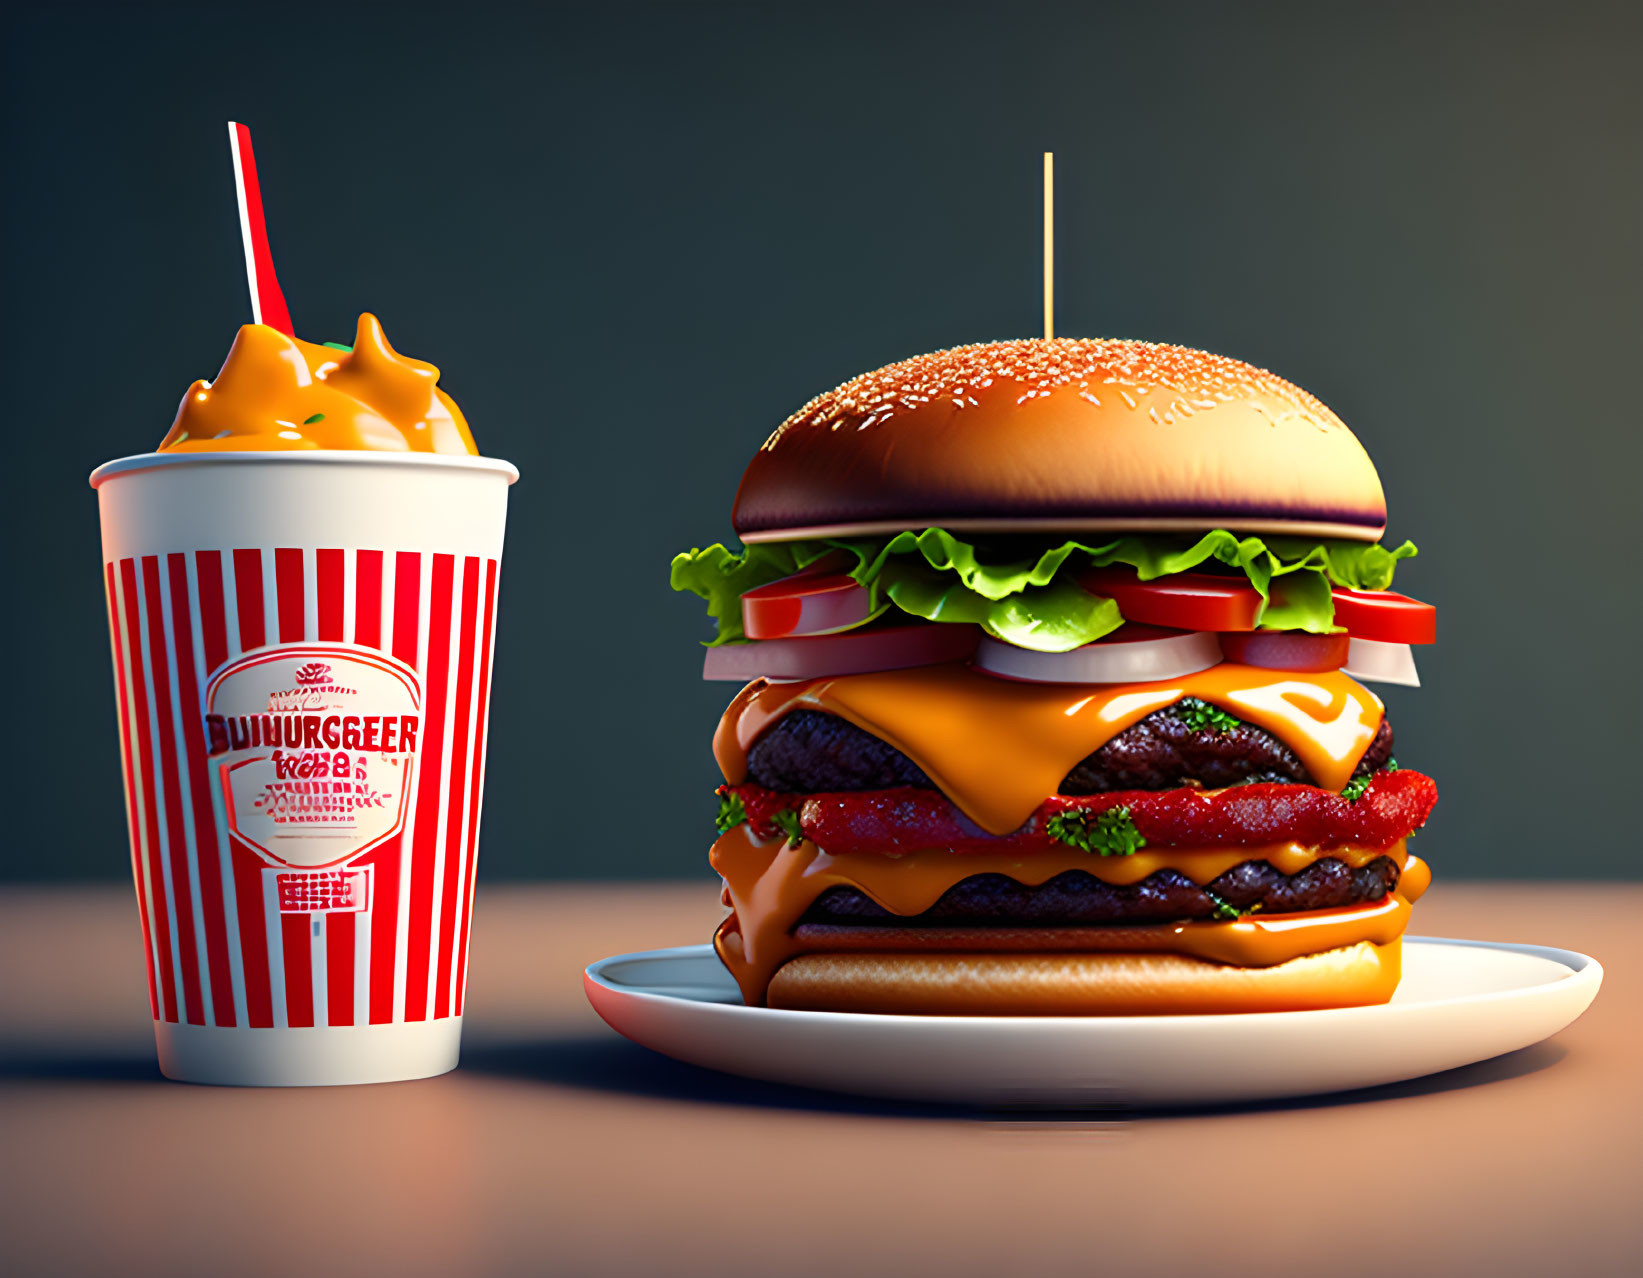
(894, 822)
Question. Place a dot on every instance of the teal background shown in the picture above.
(635, 239)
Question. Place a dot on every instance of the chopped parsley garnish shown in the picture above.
(317, 417)
(732, 812)
(1226, 910)
(1357, 785)
(1200, 716)
(1109, 833)
(787, 821)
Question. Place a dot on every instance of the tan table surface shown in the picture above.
(560, 1148)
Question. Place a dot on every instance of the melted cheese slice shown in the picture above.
(769, 886)
(998, 748)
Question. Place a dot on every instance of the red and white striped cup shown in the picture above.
(302, 668)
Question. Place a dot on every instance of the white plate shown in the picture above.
(1459, 1002)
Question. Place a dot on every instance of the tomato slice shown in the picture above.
(1287, 650)
(818, 601)
(1384, 616)
(1183, 600)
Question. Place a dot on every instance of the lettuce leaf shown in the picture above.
(722, 576)
(1033, 599)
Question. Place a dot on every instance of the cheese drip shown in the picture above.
(769, 886)
(998, 748)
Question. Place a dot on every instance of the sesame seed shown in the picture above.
(1037, 366)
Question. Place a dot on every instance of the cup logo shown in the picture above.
(313, 748)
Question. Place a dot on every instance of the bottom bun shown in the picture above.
(998, 984)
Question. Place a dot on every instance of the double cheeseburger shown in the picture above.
(1053, 654)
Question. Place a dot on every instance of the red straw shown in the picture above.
(267, 302)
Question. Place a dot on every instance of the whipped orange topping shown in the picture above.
(276, 393)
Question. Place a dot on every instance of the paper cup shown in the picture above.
(302, 669)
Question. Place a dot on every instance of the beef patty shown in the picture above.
(811, 752)
(1078, 897)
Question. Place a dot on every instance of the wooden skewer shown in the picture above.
(1049, 244)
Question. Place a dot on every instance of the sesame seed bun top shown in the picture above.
(1062, 434)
